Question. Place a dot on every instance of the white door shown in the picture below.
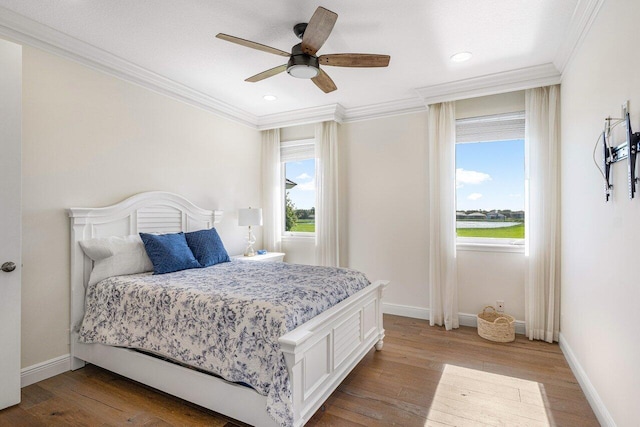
(10, 220)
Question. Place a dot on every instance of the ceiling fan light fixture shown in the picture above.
(303, 71)
(303, 66)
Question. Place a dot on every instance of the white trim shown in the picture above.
(405, 311)
(299, 237)
(27, 31)
(508, 81)
(583, 18)
(43, 370)
(490, 247)
(303, 116)
(338, 113)
(598, 406)
(385, 109)
(466, 319)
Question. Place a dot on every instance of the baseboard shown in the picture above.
(465, 319)
(47, 369)
(603, 415)
(405, 311)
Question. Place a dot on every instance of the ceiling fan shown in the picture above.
(303, 62)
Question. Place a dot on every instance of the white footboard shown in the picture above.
(322, 352)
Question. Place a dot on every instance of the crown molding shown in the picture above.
(385, 109)
(27, 31)
(491, 84)
(303, 116)
(583, 18)
(340, 114)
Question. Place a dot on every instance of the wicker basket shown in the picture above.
(494, 326)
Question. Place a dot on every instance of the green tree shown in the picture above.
(290, 213)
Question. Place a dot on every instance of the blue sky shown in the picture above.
(490, 175)
(302, 173)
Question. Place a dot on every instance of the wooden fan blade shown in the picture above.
(252, 45)
(318, 30)
(324, 82)
(266, 74)
(354, 60)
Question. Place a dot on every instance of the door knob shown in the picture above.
(8, 267)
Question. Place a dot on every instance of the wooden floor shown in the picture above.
(423, 377)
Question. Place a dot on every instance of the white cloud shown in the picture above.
(303, 175)
(474, 196)
(307, 186)
(470, 177)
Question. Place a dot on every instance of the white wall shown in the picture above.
(92, 140)
(600, 275)
(485, 277)
(383, 178)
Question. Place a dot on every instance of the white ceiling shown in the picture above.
(175, 39)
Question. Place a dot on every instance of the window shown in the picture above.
(299, 171)
(490, 187)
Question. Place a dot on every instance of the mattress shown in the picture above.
(225, 319)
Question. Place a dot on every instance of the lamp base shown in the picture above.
(250, 241)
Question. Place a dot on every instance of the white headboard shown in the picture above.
(151, 212)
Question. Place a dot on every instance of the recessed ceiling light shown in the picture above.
(461, 56)
(270, 97)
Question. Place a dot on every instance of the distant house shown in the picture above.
(517, 215)
(476, 215)
(495, 215)
(461, 215)
(288, 184)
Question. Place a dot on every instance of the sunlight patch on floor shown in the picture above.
(468, 397)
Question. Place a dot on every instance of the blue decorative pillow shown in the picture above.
(207, 247)
(168, 252)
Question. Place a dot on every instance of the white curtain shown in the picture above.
(272, 187)
(542, 280)
(327, 243)
(443, 274)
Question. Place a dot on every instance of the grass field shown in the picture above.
(305, 226)
(514, 232)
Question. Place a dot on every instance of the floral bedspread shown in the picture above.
(225, 319)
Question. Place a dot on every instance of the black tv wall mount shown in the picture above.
(627, 150)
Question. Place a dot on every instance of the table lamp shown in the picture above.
(249, 217)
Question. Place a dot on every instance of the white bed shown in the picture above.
(317, 355)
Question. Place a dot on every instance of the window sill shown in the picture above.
(299, 237)
(489, 247)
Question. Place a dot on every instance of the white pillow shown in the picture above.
(116, 256)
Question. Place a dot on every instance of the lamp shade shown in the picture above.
(250, 216)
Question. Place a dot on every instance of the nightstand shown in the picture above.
(268, 257)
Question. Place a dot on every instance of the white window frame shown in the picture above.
(498, 127)
(291, 151)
